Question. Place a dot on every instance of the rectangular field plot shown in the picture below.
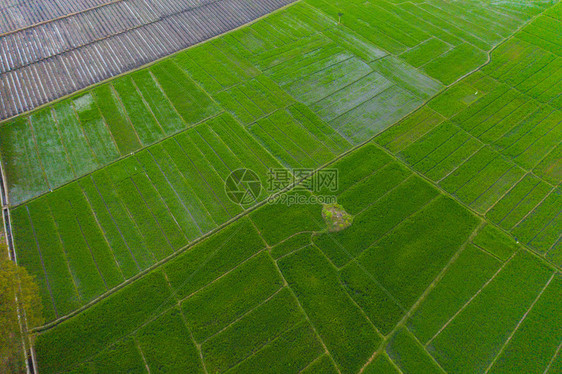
(206, 273)
(88, 131)
(457, 97)
(409, 130)
(455, 19)
(495, 242)
(376, 114)
(425, 52)
(526, 67)
(459, 162)
(52, 153)
(254, 99)
(123, 356)
(242, 346)
(519, 202)
(455, 63)
(295, 351)
(483, 179)
(495, 115)
(447, 40)
(163, 340)
(298, 138)
(464, 277)
(114, 116)
(277, 223)
(541, 228)
(348, 335)
(319, 74)
(192, 103)
(544, 32)
(440, 150)
(280, 29)
(97, 132)
(550, 168)
(534, 141)
(101, 326)
(212, 309)
(541, 326)
(409, 355)
(388, 277)
(124, 218)
(379, 26)
(25, 177)
(143, 122)
(382, 364)
(215, 68)
(393, 90)
(485, 323)
(328, 72)
(377, 219)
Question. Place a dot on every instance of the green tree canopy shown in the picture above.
(18, 292)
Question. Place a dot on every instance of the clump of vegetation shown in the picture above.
(336, 217)
(18, 293)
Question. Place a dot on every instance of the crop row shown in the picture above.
(524, 66)
(202, 281)
(466, 275)
(216, 295)
(123, 218)
(342, 89)
(482, 278)
(409, 355)
(254, 99)
(425, 52)
(482, 179)
(47, 79)
(475, 265)
(298, 138)
(519, 202)
(300, 20)
(541, 227)
(348, 335)
(88, 131)
(455, 63)
(522, 130)
(497, 118)
(522, 135)
(507, 297)
(388, 277)
(18, 15)
(543, 31)
(409, 130)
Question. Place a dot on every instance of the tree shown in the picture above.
(18, 294)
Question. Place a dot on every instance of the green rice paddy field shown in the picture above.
(444, 121)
